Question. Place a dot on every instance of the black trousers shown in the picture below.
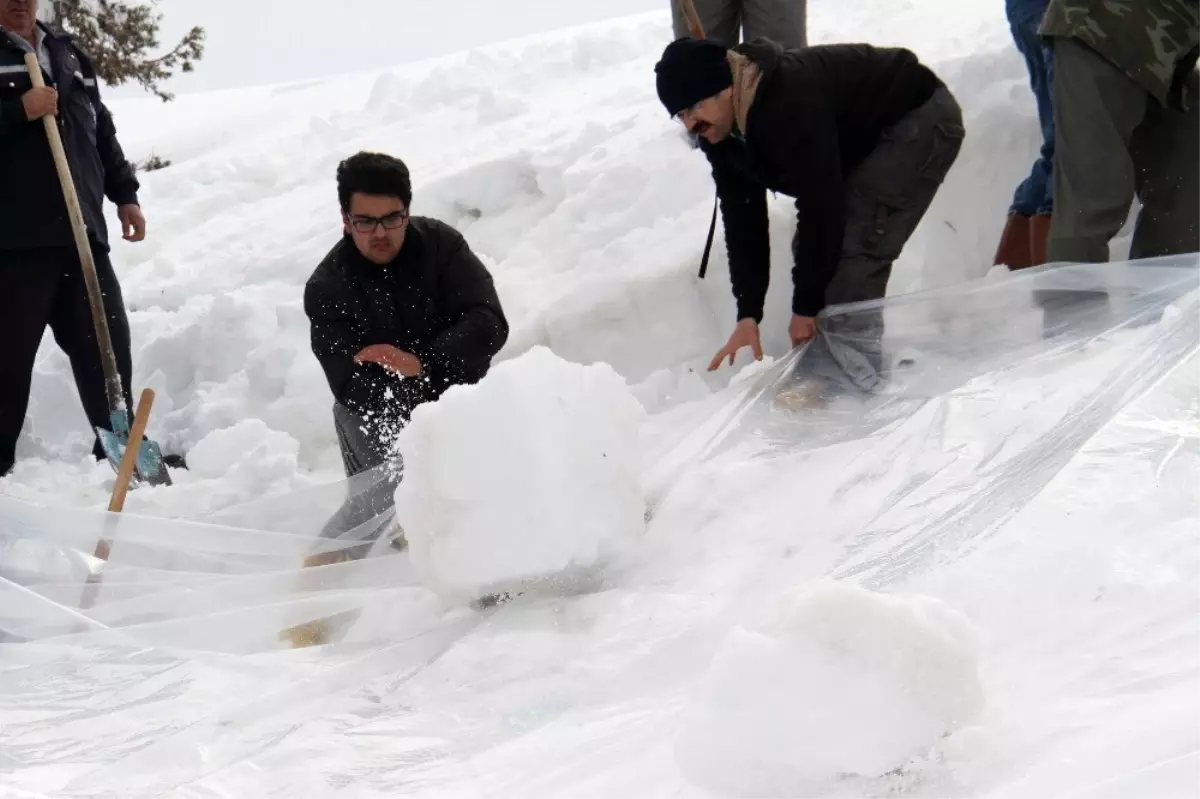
(40, 288)
(372, 477)
(887, 196)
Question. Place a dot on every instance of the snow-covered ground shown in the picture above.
(982, 582)
(552, 155)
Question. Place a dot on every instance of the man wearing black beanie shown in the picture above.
(860, 136)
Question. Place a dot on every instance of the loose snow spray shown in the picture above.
(836, 682)
(532, 475)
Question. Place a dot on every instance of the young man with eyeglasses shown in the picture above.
(400, 310)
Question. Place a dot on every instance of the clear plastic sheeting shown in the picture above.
(969, 402)
(900, 447)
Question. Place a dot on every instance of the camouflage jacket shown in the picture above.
(1154, 42)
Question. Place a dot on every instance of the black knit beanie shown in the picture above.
(691, 70)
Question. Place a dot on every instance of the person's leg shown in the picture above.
(721, 20)
(28, 281)
(784, 21)
(1166, 159)
(75, 331)
(1039, 226)
(1030, 196)
(1096, 110)
(1022, 244)
(362, 517)
(887, 195)
(361, 445)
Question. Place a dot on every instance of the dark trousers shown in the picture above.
(373, 475)
(888, 194)
(363, 445)
(783, 21)
(1116, 141)
(1035, 195)
(40, 288)
(886, 197)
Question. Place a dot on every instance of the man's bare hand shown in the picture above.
(390, 358)
(39, 102)
(744, 335)
(802, 328)
(133, 223)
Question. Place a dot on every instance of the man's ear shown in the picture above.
(345, 223)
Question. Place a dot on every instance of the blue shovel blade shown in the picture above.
(149, 467)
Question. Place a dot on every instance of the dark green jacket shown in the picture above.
(1154, 42)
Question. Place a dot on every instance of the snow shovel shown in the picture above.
(693, 19)
(149, 466)
(116, 502)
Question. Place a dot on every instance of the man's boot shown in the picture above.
(1039, 232)
(1013, 250)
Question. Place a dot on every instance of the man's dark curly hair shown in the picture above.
(373, 173)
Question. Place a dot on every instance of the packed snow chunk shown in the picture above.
(533, 475)
(837, 682)
(250, 453)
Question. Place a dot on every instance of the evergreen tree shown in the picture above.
(121, 37)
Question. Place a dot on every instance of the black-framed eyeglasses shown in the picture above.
(367, 224)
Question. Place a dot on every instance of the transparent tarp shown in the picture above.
(907, 434)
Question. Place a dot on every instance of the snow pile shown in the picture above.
(532, 474)
(228, 466)
(565, 176)
(838, 681)
(248, 451)
(556, 161)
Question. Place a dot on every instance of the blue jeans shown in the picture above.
(1035, 195)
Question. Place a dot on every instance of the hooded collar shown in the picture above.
(760, 58)
(763, 52)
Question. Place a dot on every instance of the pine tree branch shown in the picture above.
(118, 36)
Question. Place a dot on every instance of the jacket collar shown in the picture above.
(767, 55)
(763, 52)
(13, 41)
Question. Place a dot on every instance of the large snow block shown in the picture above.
(533, 474)
(836, 682)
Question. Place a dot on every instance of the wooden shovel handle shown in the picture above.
(693, 19)
(129, 458)
(124, 474)
(112, 379)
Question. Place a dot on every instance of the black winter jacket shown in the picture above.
(33, 212)
(816, 114)
(435, 300)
